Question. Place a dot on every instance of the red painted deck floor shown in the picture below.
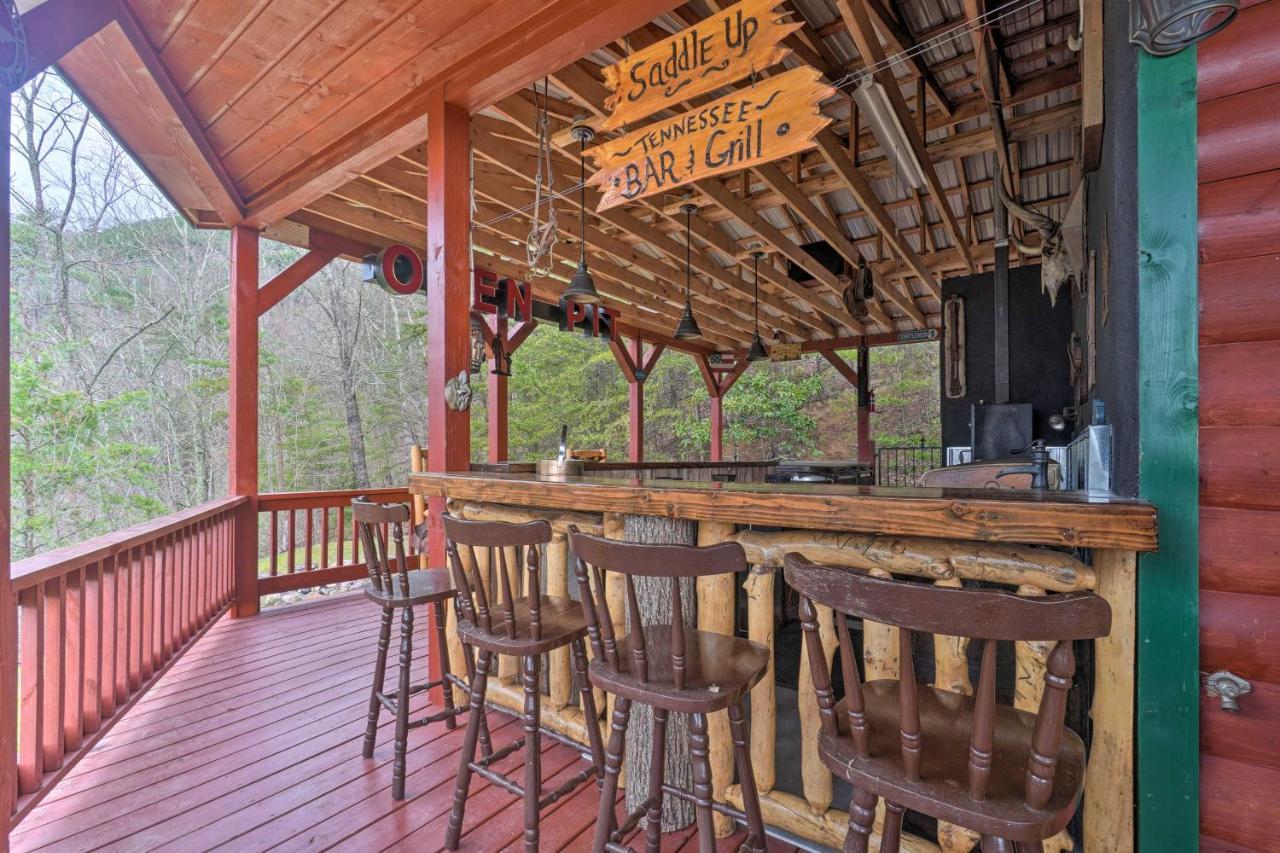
(251, 741)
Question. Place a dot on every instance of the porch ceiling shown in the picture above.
(307, 121)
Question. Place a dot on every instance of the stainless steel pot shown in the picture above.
(559, 468)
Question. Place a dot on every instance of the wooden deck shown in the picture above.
(251, 741)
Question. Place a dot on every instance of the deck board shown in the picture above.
(251, 741)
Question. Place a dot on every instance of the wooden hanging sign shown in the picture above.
(774, 118)
(724, 48)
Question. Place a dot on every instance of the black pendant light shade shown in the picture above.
(582, 288)
(688, 329)
(757, 351)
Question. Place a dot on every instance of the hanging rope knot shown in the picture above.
(541, 242)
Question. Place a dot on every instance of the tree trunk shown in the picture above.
(654, 598)
(355, 437)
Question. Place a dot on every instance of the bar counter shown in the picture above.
(946, 536)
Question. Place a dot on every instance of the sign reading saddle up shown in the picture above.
(773, 118)
(730, 45)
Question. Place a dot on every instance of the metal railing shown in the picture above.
(904, 464)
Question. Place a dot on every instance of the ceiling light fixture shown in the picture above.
(688, 329)
(582, 288)
(873, 102)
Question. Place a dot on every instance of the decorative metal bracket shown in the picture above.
(1228, 687)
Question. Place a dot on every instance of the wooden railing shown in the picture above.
(308, 539)
(98, 621)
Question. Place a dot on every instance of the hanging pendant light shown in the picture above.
(757, 351)
(582, 288)
(688, 329)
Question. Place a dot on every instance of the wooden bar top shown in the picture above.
(1064, 519)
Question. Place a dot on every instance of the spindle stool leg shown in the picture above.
(991, 844)
(589, 714)
(862, 816)
(746, 775)
(442, 649)
(379, 677)
(469, 661)
(657, 768)
(531, 666)
(891, 837)
(468, 752)
(701, 766)
(402, 705)
(608, 818)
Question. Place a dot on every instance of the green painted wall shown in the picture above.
(1168, 388)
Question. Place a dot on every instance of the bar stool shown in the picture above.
(527, 624)
(672, 668)
(395, 589)
(1013, 776)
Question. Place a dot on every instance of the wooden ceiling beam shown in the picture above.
(662, 281)
(519, 165)
(719, 193)
(625, 284)
(900, 40)
(864, 36)
(838, 158)
(982, 50)
(830, 231)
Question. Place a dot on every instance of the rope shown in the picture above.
(541, 243)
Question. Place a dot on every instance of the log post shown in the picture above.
(715, 613)
(951, 672)
(654, 598)
(559, 675)
(764, 696)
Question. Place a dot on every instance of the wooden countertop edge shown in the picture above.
(1123, 525)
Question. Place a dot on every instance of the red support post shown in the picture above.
(8, 610)
(497, 398)
(866, 453)
(448, 311)
(717, 428)
(242, 413)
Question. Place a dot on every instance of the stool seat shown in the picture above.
(425, 586)
(561, 619)
(719, 670)
(946, 719)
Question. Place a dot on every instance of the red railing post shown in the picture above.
(242, 419)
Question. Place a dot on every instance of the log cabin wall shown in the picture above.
(1239, 223)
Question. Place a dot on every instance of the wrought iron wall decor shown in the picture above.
(953, 348)
(13, 48)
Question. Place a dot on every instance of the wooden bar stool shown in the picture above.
(393, 587)
(523, 622)
(671, 668)
(1013, 776)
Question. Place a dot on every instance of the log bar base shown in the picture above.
(947, 536)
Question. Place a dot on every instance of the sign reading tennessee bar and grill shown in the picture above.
(773, 118)
(724, 48)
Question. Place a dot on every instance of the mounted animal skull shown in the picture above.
(1058, 261)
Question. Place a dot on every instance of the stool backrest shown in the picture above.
(594, 557)
(981, 614)
(480, 548)
(378, 523)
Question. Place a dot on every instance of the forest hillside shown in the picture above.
(119, 325)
